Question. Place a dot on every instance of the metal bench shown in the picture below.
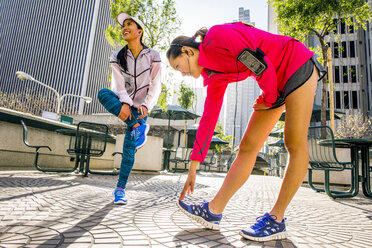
(322, 156)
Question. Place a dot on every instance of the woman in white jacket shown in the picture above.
(135, 89)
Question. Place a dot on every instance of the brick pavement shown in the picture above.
(65, 210)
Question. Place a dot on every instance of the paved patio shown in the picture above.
(66, 210)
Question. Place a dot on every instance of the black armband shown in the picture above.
(254, 60)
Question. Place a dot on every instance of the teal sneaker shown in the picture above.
(120, 197)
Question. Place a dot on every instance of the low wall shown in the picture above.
(149, 157)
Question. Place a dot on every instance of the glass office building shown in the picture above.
(60, 43)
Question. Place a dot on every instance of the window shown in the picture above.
(351, 29)
(354, 98)
(353, 73)
(346, 99)
(352, 49)
(338, 100)
(344, 50)
(342, 27)
(344, 74)
(328, 103)
(337, 74)
(335, 50)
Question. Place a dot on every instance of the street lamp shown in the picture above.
(24, 76)
(87, 99)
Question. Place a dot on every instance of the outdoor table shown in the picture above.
(363, 146)
(83, 148)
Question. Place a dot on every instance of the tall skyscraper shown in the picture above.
(239, 98)
(60, 43)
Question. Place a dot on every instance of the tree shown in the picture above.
(229, 138)
(186, 96)
(301, 18)
(163, 98)
(160, 21)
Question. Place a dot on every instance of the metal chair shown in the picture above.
(181, 155)
(37, 148)
(322, 156)
(209, 161)
(90, 141)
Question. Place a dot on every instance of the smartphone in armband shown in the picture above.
(253, 60)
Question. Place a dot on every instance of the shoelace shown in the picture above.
(134, 133)
(261, 221)
(119, 193)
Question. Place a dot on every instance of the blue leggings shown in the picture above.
(111, 102)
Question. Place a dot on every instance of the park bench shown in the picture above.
(322, 156)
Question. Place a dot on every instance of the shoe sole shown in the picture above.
(277, 236)
(146, 131)
(200, 220)
(120, 203)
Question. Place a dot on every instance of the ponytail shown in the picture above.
(175, 48)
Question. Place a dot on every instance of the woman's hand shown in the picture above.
(190, 181)
(125, 112)
(259, 106)
(143, 110)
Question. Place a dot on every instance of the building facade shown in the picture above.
(239, 99)
(351, 64)
(60, 43)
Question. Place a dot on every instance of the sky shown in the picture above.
(195, 14)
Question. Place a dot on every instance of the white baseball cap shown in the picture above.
(123, 16)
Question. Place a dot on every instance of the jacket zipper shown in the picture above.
(135, 74)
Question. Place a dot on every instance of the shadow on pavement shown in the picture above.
(200, 236)
(81, 229)
(26, 182)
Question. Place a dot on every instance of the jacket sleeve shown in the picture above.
(155, 84)
(117, 80)
(218, 45)
(207, 124)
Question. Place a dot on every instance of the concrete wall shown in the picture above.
(149, 157)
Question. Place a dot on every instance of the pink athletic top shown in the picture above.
(218, 56)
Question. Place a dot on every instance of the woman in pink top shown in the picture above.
(287, 74)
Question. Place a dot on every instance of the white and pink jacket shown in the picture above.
(140, 84)
(218, 56)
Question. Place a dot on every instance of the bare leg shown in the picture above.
(299, 105)
(260, 125)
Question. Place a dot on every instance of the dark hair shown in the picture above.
(122, 55)
(175, 48)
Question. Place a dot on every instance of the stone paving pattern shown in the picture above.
(66, 210)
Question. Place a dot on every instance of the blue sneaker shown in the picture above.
(120, 197)
(201, 214)
(265, 229)
(141, 134)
